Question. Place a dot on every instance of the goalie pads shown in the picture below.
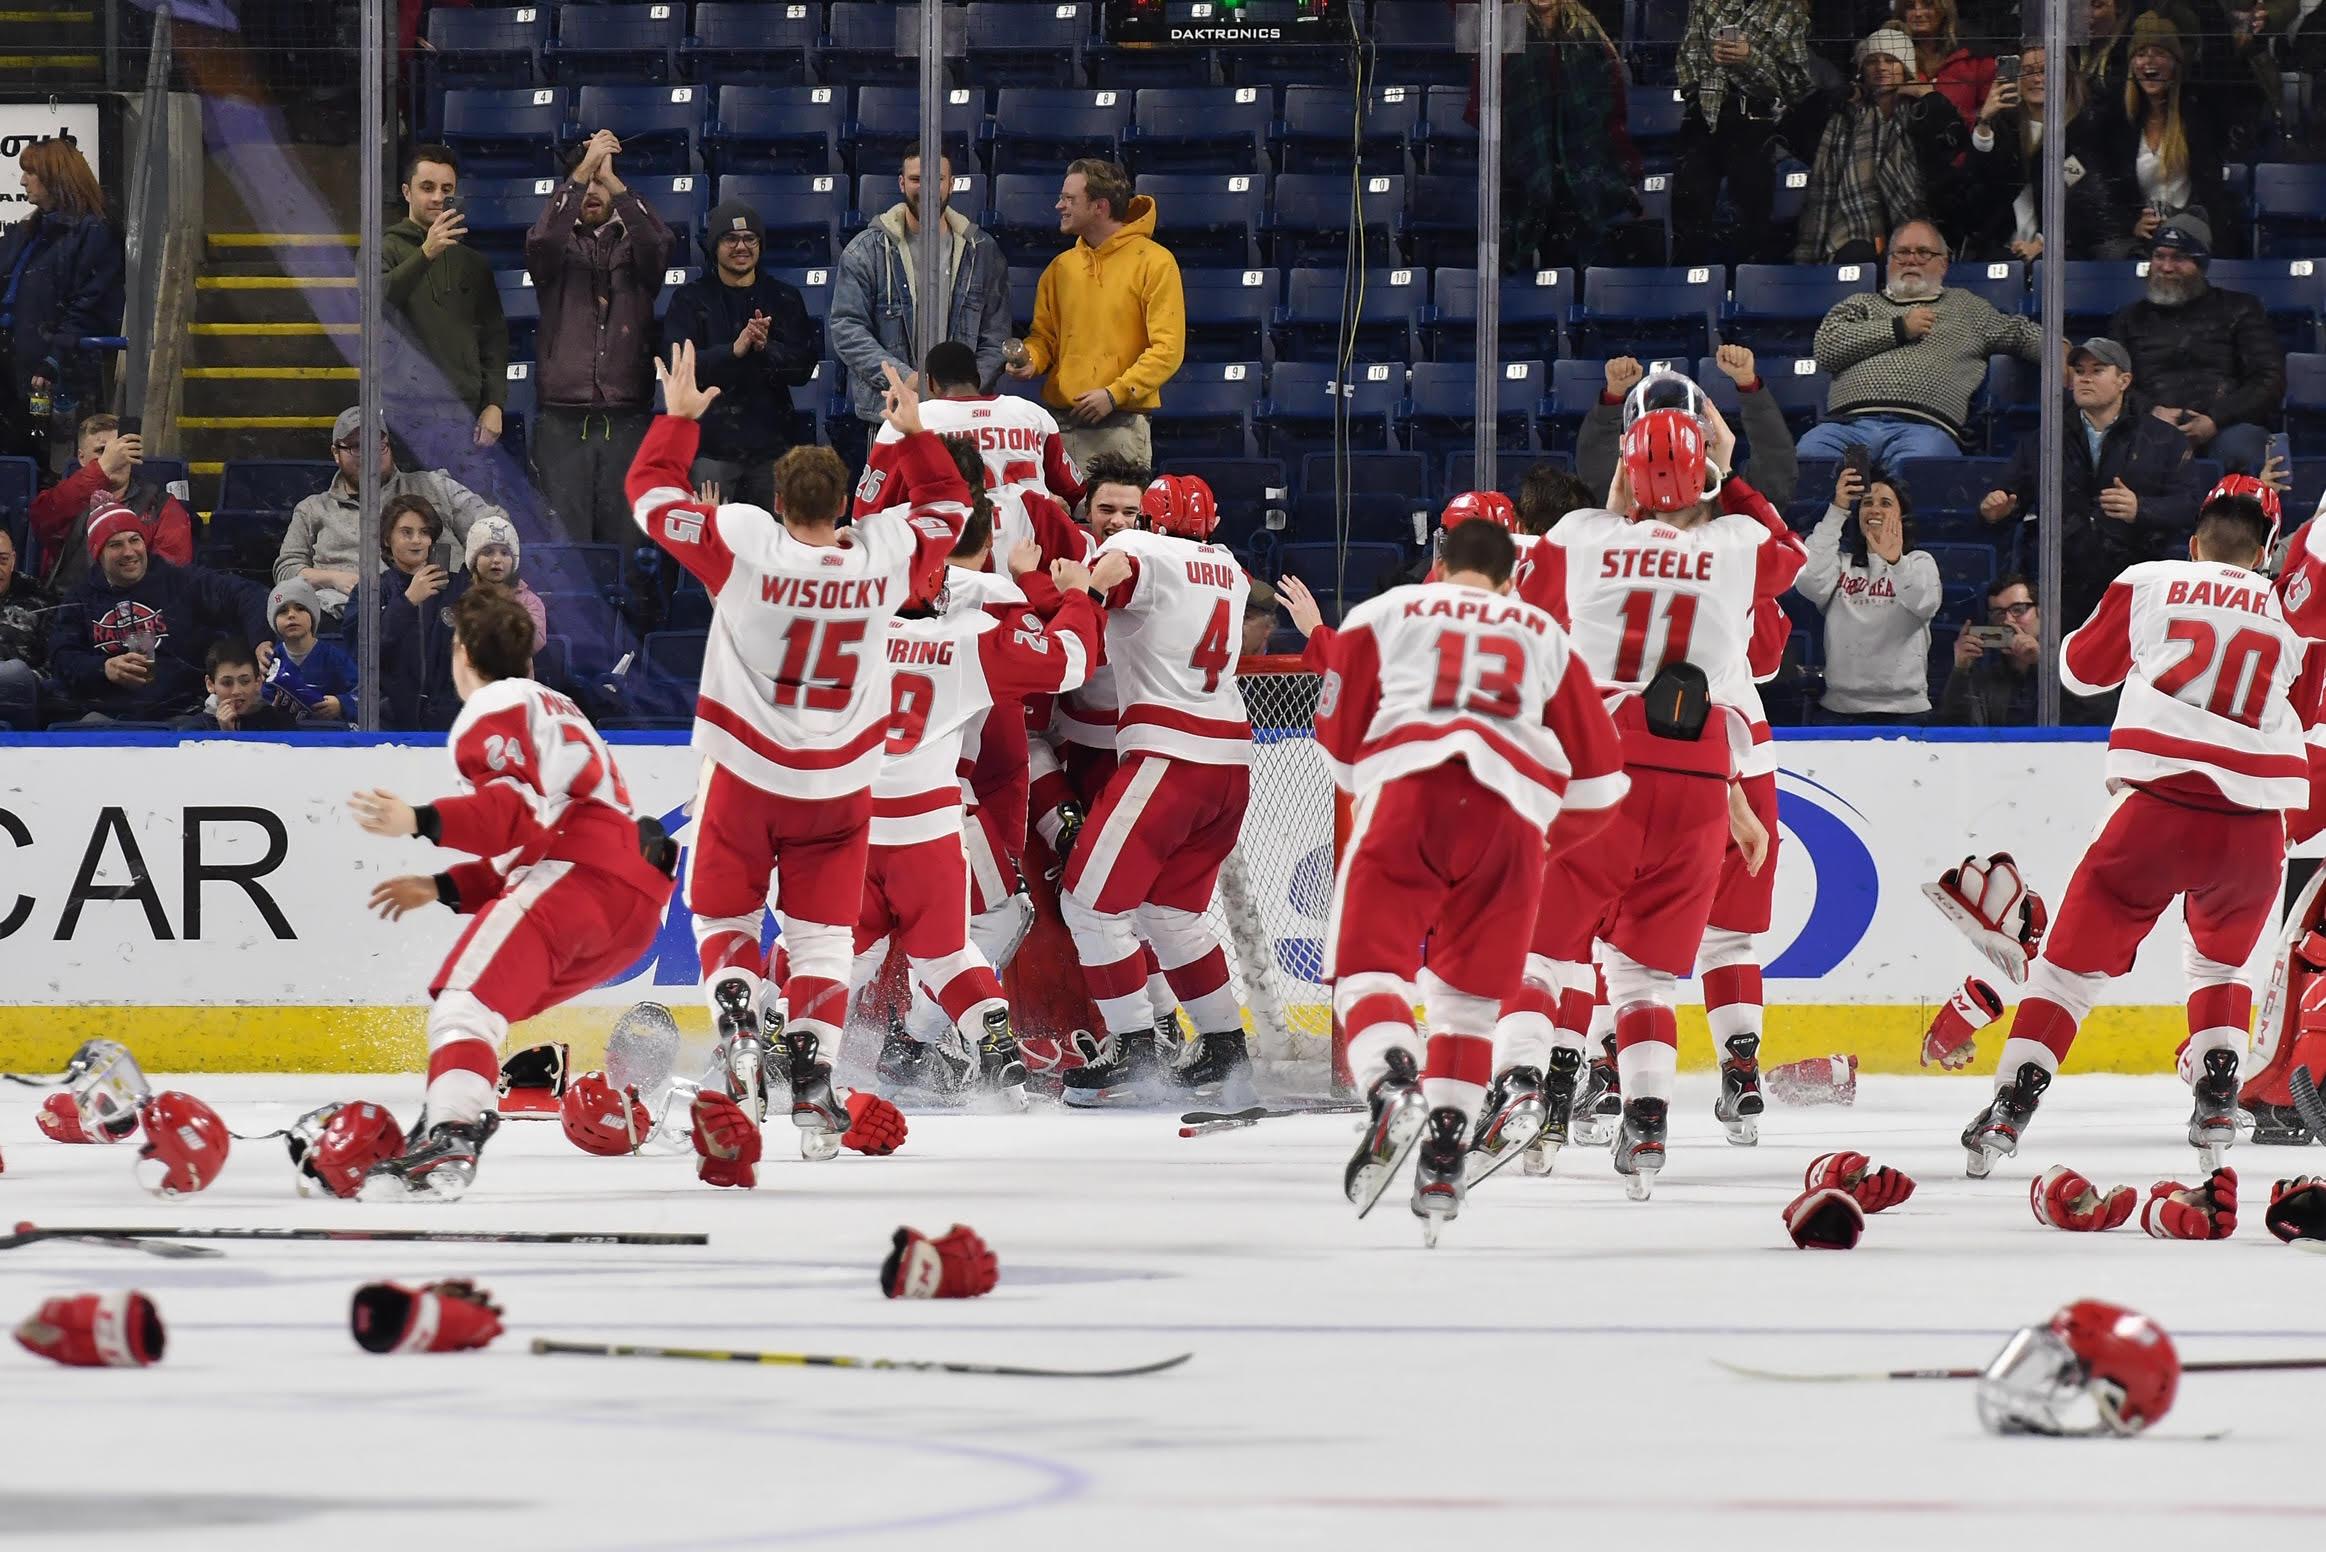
(533, 1080)
(2066, 1200)
(2291, 1029)
(1990, 904)
(1952, 1040)
(2297, 1209)
(2205, 1211)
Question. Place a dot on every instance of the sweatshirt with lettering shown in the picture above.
(1877, 623)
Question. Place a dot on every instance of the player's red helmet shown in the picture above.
(358, 1136)
(1664, 456)
(599, 1118)
(2245, 487)
(1490, 506)
(1181, 505)
(2095, 1368)
(185, 1145)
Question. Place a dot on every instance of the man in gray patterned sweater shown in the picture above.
(1906, 359)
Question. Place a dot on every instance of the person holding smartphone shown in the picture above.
(1744, 64)
(1993, 683)
(1878, 594)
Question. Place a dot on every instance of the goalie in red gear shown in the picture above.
(2291, 1032)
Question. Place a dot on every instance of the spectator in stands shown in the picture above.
(492, 557)
(1744, 64)
(1878, 594)
(128, 644)
(447, 365)
(755, 343)
(2208, 360)
(1907, 359)
(2104, 63)
(60, 282)
(874, 320)
(1548, 493)
(308, 677)
(1110, 321)
(1569, 171)
(1994, 681)
(1259, 618)
(596, 257)
(107, 477)
(2128, 487)
(321, 546)
(2001, 205)
(2172, 142)
(1773, 469)
(24, 616)
(1942, 61)
(415, 619)
(1868, 176)
(237, 700)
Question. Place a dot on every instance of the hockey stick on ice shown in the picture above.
(2213, 1366)
(28, 1234)
(1202, 1123)
(543, 1346)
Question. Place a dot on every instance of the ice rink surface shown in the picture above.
(1546, 1373)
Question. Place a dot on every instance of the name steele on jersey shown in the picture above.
(824, 592)
(1667, 564)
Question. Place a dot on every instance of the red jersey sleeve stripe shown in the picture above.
(2097, 656)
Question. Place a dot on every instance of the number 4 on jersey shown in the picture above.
(1213, 651)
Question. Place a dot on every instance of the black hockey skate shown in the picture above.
(1738, 1109)
(1438, 1186)
(2213, 1119)
(916, 1067)
(1510, 1121)
(1126, 1073)
(440, 1167)
(1001, 1066)
(1399, 1114)
(1560, 1080)
(743, 1049)
(1639, 1145)
(1995, 1131)
(815, 1110)
(1600, 1102)
(1070, 818)
(1219, 1068)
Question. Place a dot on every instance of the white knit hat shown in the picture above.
(492, 530)
(1893, 42)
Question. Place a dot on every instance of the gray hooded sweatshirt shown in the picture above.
(1877, 623)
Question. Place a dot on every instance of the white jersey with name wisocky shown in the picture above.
(1030, 479)
(795, 697)
(1174, 633)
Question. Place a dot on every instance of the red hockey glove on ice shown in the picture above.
(2066, 1200)
(2207, 1211)
(1872, 1187)
(1824, 1218)
(874, 1125)
(443, 1317)
(2297, 1208)
(95, 1331)
(1953, 1037)
(1814, 1080)
(727, 1141)
(959, 1266)
(59, 1118)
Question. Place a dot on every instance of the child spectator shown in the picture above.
(415, 619)
(107, 477)
(238, 702)
(492, 557)
(309, 677)
(1878, 594)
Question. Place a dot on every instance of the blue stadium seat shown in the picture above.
(2309, 484)
(812, 400)
(1962, 568)
(1317, 130)
(1219, 129)
(497, 226)
(776, 129)
(751, 43)
(1575, 390)
(1793, 381)
(573, 568)
(1228, 311)
(242, 543)
(2010, 401)
(1043, 128)
(1647, 312)
(876, 192)
(1026, 45)
(2305, 396)
(682, 199)
(500, 47)
(1534, 305)
(1441, 221)
(676, 656)
(1303, 397)
(1414, 42)
(1025, 216)
(1207, 412)
(859, 46)
(1403, 475)
(1378, 513)
(164, 472)
(1309, 325)
(2292, 291)
(814, 284)
(1343, 576)
(1951, 487)
(2003, 283)
(1509, 474)
(887, 126)
(1210, 219)
(1778, 307)
(658, 125)
(505, 130)
(1025, 282)
(690, 607)
(1245, 490)
(1655, 199)
(802, 213)
(612, 44)
(524, 397)
(1652, 32)
(521, 311)
(2289, 206)
(1654, 120)
(2096, 288)
(1447, 141)
(1441, 405)
(1311, 221)
(259, 484)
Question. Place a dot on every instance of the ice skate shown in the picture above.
(1639, 1146)
(815, 1110)
(2213, 1119)
(1738, 1109)
(1994, 1132)
(1126, 1073)
(1438, 1187)
(924, 1068)
(1559, 1083)
(1599, 1104)
(743, 1050)
(1001, 1066)
(2280, 1126)
(1219, 1069)
(1399, 1115)
(440, 1167)
(1512, 1119)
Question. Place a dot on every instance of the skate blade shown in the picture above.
(1591, 1132)
(1980, 1158)
(1433, 1223)
(1745, 1132)
(1405, 1129)
(1515, 1140)
(1542, 1158)
(2214, 1150)
(1640, 1183)
(1008, 1100)
(448, 1183)
(818, 1146)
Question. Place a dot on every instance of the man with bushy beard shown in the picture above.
(2207, 359)
(1907, 359)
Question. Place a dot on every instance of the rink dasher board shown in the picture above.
(216, 887)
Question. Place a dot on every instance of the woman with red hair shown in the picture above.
(60, 280)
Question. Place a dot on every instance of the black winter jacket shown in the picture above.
(752, 420)
(69, 287)
(2147, 455)
(24, 621)
(416, 690)
(2217, 355)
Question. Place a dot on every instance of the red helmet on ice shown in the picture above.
(600, 1118)
(1181, 505)
(1490, 506)
(2095, 1368)
(185, 1145)
(1663, 457)
(2244, 487)
(357, 1136)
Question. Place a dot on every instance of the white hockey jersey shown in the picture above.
(1435, 672)
(2215, 698)
(795, 695)
(1174, 633)
(1029, 477)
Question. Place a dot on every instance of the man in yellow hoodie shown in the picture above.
(1110, 324)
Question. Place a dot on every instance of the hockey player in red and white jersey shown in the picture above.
(1660, 594)
(1465, 726)
(1150, 855)
(949, 667)
(791, 718)
(2205, 761)
(568, 887)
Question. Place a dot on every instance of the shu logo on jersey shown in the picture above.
(502, 752)
(1328, 693)
(2298, 590)
(681, 526)
(831, 558)
(868, 488)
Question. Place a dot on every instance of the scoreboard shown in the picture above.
(1210, 23)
